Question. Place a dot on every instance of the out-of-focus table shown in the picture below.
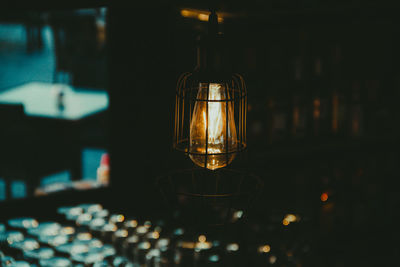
(61, 126)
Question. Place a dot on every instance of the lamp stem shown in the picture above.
(213, 23)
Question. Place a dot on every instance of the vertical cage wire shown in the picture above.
(235, 98)
(207, 123)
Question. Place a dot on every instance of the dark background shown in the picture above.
(276, 46)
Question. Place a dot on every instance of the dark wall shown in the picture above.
(142, 97)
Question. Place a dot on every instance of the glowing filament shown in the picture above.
(212, 130)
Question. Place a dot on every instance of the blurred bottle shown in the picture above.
(321, 104)
(355, 110)
(339, 96)
(278, 90)
(298, 101)
(103, 171)
(299, 87)
(279, 108)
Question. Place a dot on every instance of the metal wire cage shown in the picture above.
(210, 127)
(210, 118)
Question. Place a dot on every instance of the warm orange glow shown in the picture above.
(147, 224)
(316, 112)
(117, 218)
(145, 245)
(202, 17)
(202, 238)
(208, 128)
(198, 14)
(202, 244)
(186, 13)
(285, 222)
(324, 197)
(68, 230)
(84, 236)
(264, 249)
(189, 245)
(290, 218)
(155, 235)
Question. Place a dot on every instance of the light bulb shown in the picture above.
(212, 130)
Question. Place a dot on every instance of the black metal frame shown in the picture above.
(187, 90)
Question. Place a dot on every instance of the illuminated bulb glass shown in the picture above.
(290, 218)
(264, 249)
(209, 131)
